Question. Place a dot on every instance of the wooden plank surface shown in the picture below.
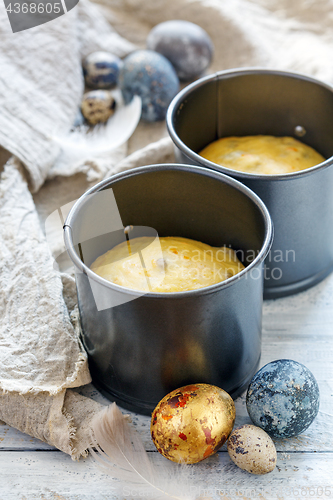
(53, 475)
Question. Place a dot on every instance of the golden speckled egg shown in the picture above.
(252, 449)
(191, 423)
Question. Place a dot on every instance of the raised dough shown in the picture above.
(171, 264)
(262, 154)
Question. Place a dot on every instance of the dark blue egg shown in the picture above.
(101, 70)
(152, 77)
(186, 45)
(283, 398)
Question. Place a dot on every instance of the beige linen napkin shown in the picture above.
(40, 352)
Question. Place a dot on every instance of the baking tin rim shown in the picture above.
(265, 247)
(174, 107)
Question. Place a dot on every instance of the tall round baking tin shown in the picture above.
(143, 345)
(256, 101)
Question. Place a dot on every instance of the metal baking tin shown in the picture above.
(153, 343)
(257, 101)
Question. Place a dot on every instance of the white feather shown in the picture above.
(119, 451)
(84, 141)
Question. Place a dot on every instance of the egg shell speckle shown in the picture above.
(191, 423)
(152, 77)
(251, 449)
(283, 398)
(186, 45)
(101, 70)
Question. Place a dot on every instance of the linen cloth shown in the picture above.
(41, 84)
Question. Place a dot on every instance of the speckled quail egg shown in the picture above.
(186, 45)
(97, 106)
(191, 423)
(101, 70)
(283, 398)
(152, 77)
(251, 449)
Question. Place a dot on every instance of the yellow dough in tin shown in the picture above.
(262, 154)
(170, 264)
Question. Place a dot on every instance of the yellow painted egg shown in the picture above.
(191, 423)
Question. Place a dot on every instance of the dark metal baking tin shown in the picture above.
(142, 349)
(257, 101)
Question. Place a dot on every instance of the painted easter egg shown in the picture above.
(101, 70)
(97, 106)
(251, 449)
(186, 45)
(152, 77)
(283, 398)
(192, 423)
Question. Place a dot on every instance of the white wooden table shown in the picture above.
(298, 327)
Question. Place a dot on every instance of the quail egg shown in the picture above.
(251, 449)
(97, 106)
(101, 70)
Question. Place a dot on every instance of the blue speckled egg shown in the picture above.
(101, 70)
(151, 76)
(283, 398)
(186, 45)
